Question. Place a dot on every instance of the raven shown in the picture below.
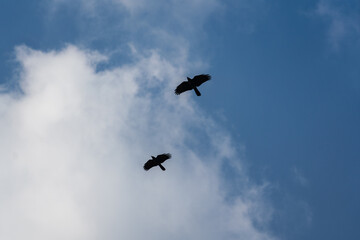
(192, 84)
(157, 161)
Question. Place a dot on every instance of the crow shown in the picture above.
(157, 161)
(192, 84)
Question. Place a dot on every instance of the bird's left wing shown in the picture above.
(163, 157)
(200, 79)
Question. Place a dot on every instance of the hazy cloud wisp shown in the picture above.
(344, 23)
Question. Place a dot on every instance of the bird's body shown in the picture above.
(157, 161)
(192, 84)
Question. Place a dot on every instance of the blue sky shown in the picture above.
(285, 91)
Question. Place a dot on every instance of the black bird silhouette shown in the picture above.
(192, 84)
(157, 161)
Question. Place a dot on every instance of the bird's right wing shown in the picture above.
(149, 164)
(184, 86)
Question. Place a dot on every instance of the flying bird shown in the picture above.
(157, 161)
(192, 84)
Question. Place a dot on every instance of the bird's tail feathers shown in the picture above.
(197, 91)
(162, 167)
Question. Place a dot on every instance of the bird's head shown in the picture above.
(189, 79)
(152, 157)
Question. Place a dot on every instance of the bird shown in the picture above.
(157, 161)
(192, 84)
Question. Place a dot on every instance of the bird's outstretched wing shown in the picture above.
(200, 79)
(184, 86)
(149, 164)
(163, 157)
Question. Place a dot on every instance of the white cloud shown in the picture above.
(299, 177)
(344, 23)
(74, 141)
